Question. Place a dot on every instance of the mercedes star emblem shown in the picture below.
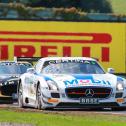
(89, 92)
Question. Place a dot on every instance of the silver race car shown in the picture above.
(73, 82)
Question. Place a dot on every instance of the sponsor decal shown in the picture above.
(86, 80)
(57, 37)
(71, 61)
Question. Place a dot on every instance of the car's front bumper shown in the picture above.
(5, 99)
(78, 105)
(65, 102)
(70, 103)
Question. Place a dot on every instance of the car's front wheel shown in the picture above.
(38, 98)
(20, 96)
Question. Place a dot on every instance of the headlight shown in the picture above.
(120, 86)
(52, 85)
(5, 83)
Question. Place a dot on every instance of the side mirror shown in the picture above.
(30, 70)
(111, 70)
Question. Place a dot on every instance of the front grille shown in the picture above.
(88, 92)
(8, 89)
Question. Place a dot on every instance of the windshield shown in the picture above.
(72, 67)
(13, 68)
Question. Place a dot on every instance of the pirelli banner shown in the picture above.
(104, 41)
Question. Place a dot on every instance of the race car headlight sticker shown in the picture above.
(52, 85)
(120, 86)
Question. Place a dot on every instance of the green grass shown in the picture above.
(46, 119)
(119, 6)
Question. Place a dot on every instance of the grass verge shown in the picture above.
(49, 119)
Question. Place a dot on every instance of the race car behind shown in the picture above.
(10, 72)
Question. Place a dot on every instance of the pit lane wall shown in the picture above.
(104, 41)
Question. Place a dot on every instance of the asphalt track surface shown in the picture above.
(76, 111)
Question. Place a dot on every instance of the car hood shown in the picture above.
(75, 80)
(8, 77)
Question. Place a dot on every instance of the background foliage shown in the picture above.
(78, 10)
(100, 6)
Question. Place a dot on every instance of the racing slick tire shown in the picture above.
(38, 98)
(20, 96)
(39, 102)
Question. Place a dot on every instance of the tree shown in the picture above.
(54, 3)
(101, 6)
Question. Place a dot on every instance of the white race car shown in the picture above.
(70, 82)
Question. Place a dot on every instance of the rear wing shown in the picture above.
(31, 60)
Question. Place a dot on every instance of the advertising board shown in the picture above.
(104, 41)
